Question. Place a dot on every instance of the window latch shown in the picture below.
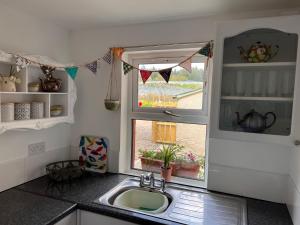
(171, 114)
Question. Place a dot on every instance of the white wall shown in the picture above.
(251, 169)
(23, 33)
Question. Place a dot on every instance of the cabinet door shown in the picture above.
(70, 219)
(88, 218)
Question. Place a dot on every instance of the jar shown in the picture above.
(34, 87)
(37, 110)
(7, 112)
(22, 111)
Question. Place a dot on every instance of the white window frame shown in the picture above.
(189, 116)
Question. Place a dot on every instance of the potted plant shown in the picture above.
(168, 154)
(189, 165)
(150, 160)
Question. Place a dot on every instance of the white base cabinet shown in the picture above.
(89, 218)
(70, 219)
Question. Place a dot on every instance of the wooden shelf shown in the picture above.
(252, 65)
(245, 98)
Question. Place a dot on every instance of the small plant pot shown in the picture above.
(112, 105)
(166, 173)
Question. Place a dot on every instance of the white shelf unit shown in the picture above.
(65, 97)
(253, 65)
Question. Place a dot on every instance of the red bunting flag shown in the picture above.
(145, 74)
(166, 73)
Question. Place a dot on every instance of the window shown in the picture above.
(173, 113)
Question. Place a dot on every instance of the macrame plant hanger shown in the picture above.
(112, 100)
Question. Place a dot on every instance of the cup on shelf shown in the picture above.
(272, 83)
(22, 111)
(240, 89)
(286, 84)
(257, 84)
(37, 110)
(7, 112)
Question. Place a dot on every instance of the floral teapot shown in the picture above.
(255, 122)
(258, 52)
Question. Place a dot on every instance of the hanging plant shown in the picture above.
(112, 100)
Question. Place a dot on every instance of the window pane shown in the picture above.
(184, 90)
(150, 136)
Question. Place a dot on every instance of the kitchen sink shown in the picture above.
(142, 200)
(179, 203)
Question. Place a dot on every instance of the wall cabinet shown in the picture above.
(65, 97)
(269, 88)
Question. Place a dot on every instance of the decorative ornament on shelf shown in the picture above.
(258, 52)
(8, 83)
(50, 84)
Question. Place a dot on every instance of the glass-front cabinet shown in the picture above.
(257, 85)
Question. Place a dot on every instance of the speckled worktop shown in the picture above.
(41, 202)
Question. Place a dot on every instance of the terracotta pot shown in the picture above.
(166, 173)
(153, 165)
(190, 170)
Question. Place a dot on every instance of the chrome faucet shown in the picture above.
(149, 181)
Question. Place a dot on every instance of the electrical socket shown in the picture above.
(36, 148)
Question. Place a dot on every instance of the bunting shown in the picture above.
(127, 68)
(21, 63)
(112, 53)
(207, 50)
(166, 73)
(145, 74)
(187, 65)
(72, 71)
(92, 67)
(108, 57)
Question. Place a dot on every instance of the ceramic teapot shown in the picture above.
(258, 52)
(50, 84)
(255, 122)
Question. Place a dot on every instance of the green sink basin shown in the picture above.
(142, 200)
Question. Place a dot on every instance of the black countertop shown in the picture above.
(21, 208)
(80, 194)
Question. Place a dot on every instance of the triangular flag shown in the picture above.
(72, 71)
(21, 63)
(108, 57)
(187, 65)
(92, 67)
(166, 73)
(127, 68)
(145, 74)
(207, 50)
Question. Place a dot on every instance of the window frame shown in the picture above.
(189, 116)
